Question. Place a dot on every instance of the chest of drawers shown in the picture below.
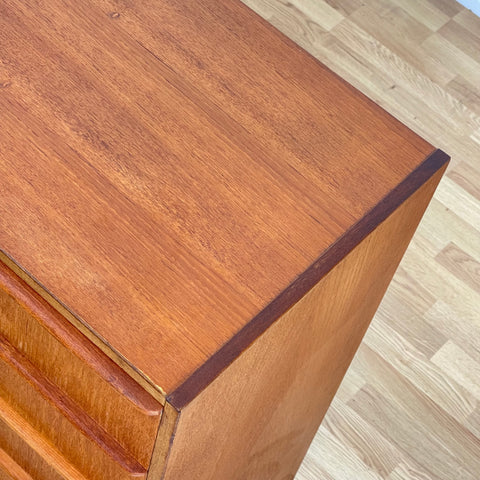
(198, 221)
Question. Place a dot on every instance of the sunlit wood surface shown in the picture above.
(409, 407)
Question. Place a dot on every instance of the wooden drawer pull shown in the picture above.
(76, 342)
(69, 409)
(82, 372)
(37, 443)
(11, 469)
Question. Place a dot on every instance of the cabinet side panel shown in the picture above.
(256, 420)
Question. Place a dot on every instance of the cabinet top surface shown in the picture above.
(170, 169)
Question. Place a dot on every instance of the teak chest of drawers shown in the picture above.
(197, 222)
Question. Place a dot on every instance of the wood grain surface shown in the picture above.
(69, 360)
(26, 447)
(260, 415)
(168, 169)
(59, 420)
(408, 405)
(10, 470)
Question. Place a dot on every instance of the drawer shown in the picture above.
(61, 422)
(9, 469)
(24, 454)
(80, 370)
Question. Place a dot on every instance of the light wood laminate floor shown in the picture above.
(409, 407)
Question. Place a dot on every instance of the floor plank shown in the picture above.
(460, 366)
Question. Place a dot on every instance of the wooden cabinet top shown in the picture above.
(176, 174)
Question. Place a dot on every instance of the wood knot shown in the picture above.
(5, 84)
(114, 15)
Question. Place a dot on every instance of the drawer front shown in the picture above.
(9, 469)
(61, 422)
(25, 455)
(78, 368)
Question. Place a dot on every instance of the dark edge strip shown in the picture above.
(205, 374)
